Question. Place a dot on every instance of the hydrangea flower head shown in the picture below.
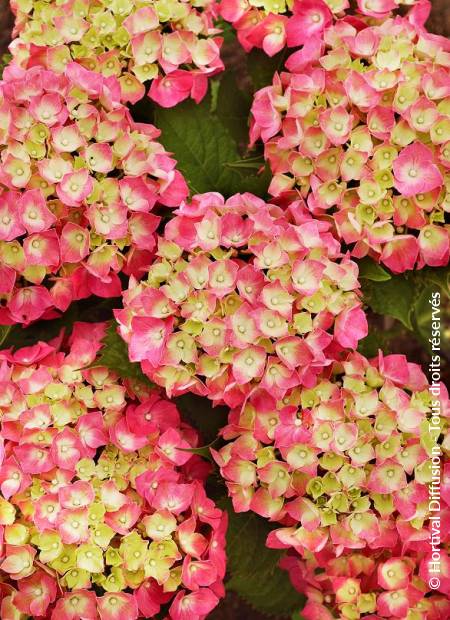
(385, 583)
(78, 182)
(274, 24)
(243, 294)
(343, 463)
(359, 127)
(173, 45)
(103, 510)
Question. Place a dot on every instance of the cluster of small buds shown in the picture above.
(103, 511)
(172, 43)
(242, 295)
(383, 584)
(346, 463)
(274, 24)
(360, 128)
(78, 180)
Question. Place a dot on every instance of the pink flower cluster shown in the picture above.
(243, 294)
(79, 179)
(360, 128)
(384, 583)
(344, 464)
(103, 511)
(273, 24)
(171, 43)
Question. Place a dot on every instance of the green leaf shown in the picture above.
(226, 30)
(394, 297)
(200, 413)
(204, 149)
(406, 298)
(214, 87)
(403, 296)
(114, 355)
(253, 568)
(376, 339)
(262, 68)
(4, 62)
(233, 110)
(439, 277)
(370, 270)
(4, 331)
(204, 451)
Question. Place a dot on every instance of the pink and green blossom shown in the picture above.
(103, 513)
